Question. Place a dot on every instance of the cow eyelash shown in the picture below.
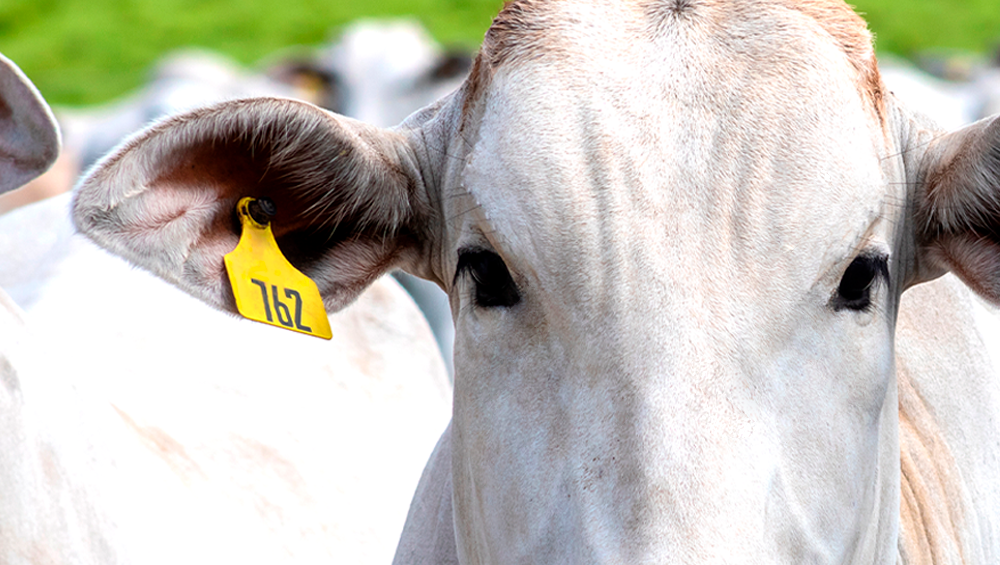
(859, 281)
(493, 285)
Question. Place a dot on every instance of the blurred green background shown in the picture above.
(83, 52)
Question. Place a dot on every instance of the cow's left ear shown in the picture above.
(29, 138)
(350, 198)
(958, 207)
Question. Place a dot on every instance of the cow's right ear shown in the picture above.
(29, 138)
(351, 202)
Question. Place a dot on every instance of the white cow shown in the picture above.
(987, 83)
(676, 236)
(127, 438)
(226, 438)
(39, 504)
(387, 69)
(950, 104)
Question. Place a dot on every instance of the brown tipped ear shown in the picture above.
(958, 207)
(350, 200)
(29, 138)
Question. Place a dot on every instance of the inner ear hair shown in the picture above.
(960, 188)
(326, 174)
(330, 169)
(349, 197)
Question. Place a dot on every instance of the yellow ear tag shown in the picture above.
(267, 287)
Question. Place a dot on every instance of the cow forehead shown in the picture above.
(531, 29)
(706, 141)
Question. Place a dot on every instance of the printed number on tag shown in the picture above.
(267, 288)
(281, 310)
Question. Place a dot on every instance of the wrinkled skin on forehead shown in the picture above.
(675, 237)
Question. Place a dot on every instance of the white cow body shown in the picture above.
(236, 441)
(675, 235)
(45, 514)
(138, 427)
(947, 364)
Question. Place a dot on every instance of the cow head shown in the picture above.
(674, 235)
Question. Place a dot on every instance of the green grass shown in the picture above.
(82, 52)
(905, 27)
(87, 51)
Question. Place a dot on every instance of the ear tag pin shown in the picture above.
(267, 287)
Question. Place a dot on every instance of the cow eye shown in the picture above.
(493, 285)
(860, 280)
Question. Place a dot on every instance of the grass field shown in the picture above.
(82, 52)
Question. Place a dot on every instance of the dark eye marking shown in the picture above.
(494, 286)
(860, 280)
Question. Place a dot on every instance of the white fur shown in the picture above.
(137, 426)
(191, 436)
(677, 189)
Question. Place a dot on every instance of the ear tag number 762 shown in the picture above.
(267, 287)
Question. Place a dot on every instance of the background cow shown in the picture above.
(379, 71)
(128, 436)
(39, 503)
(952, 90)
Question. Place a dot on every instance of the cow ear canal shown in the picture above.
(861, 279)
(493, 287)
